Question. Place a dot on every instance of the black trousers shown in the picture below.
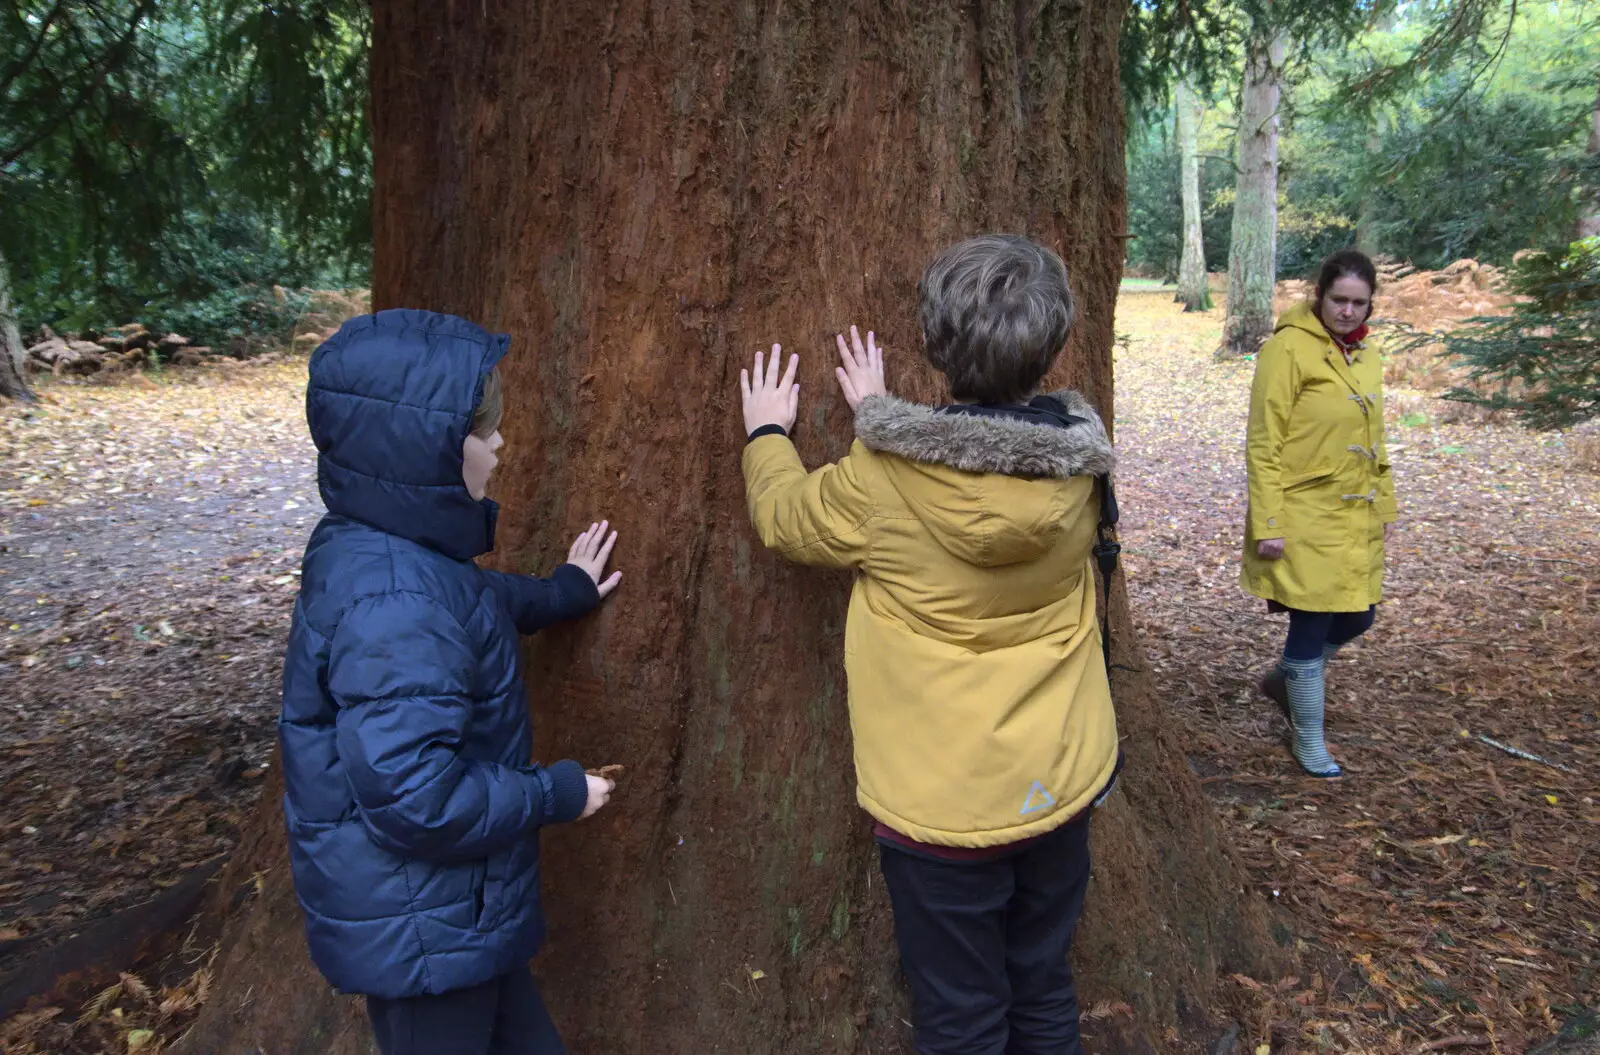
(503, 1016)
(984, 945)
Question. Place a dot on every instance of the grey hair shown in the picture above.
(996, 310)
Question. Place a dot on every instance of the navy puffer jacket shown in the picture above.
(412, 805)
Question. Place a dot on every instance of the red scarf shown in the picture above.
(1350, 341)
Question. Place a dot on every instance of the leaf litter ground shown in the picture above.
(150, 535)
(1443, 895)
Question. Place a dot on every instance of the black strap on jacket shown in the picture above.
(1047, 410)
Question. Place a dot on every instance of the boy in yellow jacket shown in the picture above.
(979, 702)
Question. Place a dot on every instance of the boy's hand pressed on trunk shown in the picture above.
(862, 373)
(600, 789)
(769, 399)
(590, 552)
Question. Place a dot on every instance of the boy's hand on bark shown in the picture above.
(769, 399)
(861, 374)
(591, 551)
(600, 789)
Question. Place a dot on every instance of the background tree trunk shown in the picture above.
(13, 381)
(1589, 211)
(643, 196)
(1367, 239)
(1252, 259)
(1193, 289)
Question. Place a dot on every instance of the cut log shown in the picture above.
(48, 351)
(78, 365)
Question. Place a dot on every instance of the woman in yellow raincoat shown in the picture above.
(1321, 494)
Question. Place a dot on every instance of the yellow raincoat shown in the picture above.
(979, 705)
(1319, 471)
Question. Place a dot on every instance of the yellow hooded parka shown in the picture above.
(979, 704)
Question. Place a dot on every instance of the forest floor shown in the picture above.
(150, 534)
(1444, 891)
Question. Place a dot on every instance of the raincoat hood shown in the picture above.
(390, 402)
(1303, 316)
(1004, 503)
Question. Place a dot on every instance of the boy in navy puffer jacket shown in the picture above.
(412, 804)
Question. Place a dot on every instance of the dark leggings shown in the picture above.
(503, 1016)
(1309, 631)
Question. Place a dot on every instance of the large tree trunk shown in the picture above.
(643, 196)
(1252, 259)
(1193, 289)
(13, 381)
(1589, 208)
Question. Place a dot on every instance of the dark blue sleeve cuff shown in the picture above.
(570, 790)
(767, 430)
(579, 593)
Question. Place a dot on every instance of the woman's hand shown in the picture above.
(862, 373)
(1269, 548)
(591, 551)
(768, 400)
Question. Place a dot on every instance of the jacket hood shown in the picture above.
(993, 490)
(1302, 317)
(389, 402)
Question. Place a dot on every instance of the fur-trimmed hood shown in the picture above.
(993, 491)
(988, 444)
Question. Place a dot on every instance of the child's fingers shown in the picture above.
(874, 352)
(605, 550)
(846, 386)
(610, 584)
(794, 402)
(855, 342)
(845, 354)
(744, 383)
(772, 367)
(788, 375)
(758, 376)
